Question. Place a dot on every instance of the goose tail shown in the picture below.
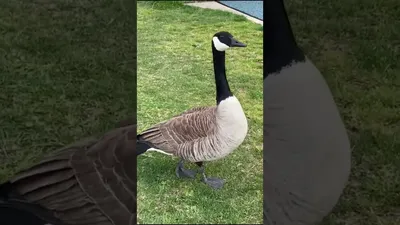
(141, 147)
(5, 189)
(15, 210)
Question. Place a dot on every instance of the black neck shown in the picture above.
(223, 90)
(280, 45)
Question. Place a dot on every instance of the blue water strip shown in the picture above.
(251, 8)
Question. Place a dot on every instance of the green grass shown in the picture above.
(355, 44)
(67, 71)
(174, 74)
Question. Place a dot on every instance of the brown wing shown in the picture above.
(91, 182)
(190, 125)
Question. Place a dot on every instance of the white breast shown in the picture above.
(232, 126)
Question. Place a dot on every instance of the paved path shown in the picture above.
(218, 6)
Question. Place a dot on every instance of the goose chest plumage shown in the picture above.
(307, 153)
(203, 134)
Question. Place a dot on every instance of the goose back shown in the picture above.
(90, 182)
(202, 133)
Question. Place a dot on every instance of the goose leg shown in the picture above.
(182, 172)
(211, 181)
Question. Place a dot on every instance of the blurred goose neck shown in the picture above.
(280, 45)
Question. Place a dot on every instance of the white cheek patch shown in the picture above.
(219, 45)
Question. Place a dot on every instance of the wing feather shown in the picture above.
(89, 182)
(189, 126)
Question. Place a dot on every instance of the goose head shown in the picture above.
(224, 40)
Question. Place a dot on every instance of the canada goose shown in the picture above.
(89, 182)
(202, 133)
(306, 148)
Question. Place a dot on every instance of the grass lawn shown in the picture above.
(175, 73)
(67, 71)
(356, 46)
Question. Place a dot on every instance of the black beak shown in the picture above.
(236, 43)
